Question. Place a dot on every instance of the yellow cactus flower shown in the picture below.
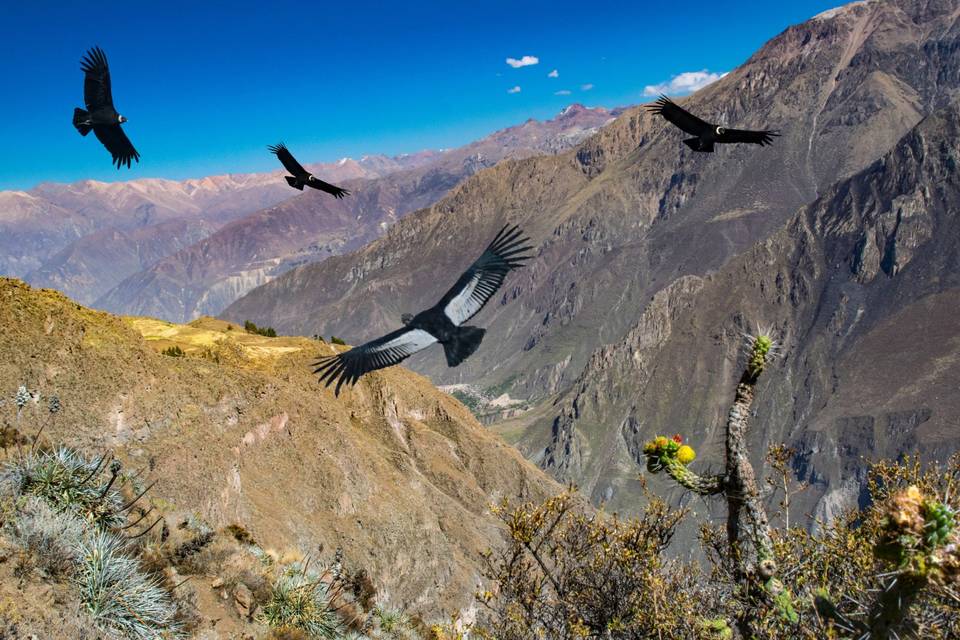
(686, 454)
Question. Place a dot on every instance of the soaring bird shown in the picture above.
(441, 323)
(100, 114)
(706, 134)
(301, 177)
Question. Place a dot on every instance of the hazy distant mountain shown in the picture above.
(654, 259)
(84, 237)
(206, 277)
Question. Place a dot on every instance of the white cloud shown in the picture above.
(562, 92)
(525, 61)
(516, 89)
(686, 82)
(553, 74)
(586, 87)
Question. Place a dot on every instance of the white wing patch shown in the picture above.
(466, 303)
(409, 343)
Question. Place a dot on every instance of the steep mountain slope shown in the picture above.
(206, 277)
(862, 289)
(396, 473)
(631, 226)
(632, 209)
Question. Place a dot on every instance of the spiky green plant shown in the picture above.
(67, 481)
(300, 599)
(20, 399)
(391, 622)
(50, 538)
(119, 595)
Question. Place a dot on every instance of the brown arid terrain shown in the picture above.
(237, 433)
(653, 261)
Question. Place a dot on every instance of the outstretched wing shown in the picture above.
(289, 162)
(391, 349)
(96, 81)
(481, 281)
(761, 138)
(117, 143)
(332, 189)
(682, 118)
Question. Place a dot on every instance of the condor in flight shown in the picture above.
(706, 134)
(441, 323)
(100, 115)
(301, 177)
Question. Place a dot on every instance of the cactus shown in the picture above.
(672, 456)
(921, 538)
(748, 530)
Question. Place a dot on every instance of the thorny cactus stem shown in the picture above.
(748, 530)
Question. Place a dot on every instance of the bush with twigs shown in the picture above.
(885, 571)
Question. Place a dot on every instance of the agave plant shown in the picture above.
(119, 595)
(300, 599)
(67, 481)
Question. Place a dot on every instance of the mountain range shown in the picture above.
(654, 261)
(177, 250)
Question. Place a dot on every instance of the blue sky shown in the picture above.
(207, 85)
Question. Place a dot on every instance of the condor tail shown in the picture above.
(697, 145)
(293, 182)
(81, 120)
(463, 344)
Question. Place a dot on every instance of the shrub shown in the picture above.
(50, 538)
(174, 352)
(250, 327)
(301, 600)
(567, 573)
(224, 351)
(336, 340)
(120, 595)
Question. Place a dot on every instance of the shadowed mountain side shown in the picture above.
(397, 473)
(207, 277)
(631, 209)
(861, 288)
